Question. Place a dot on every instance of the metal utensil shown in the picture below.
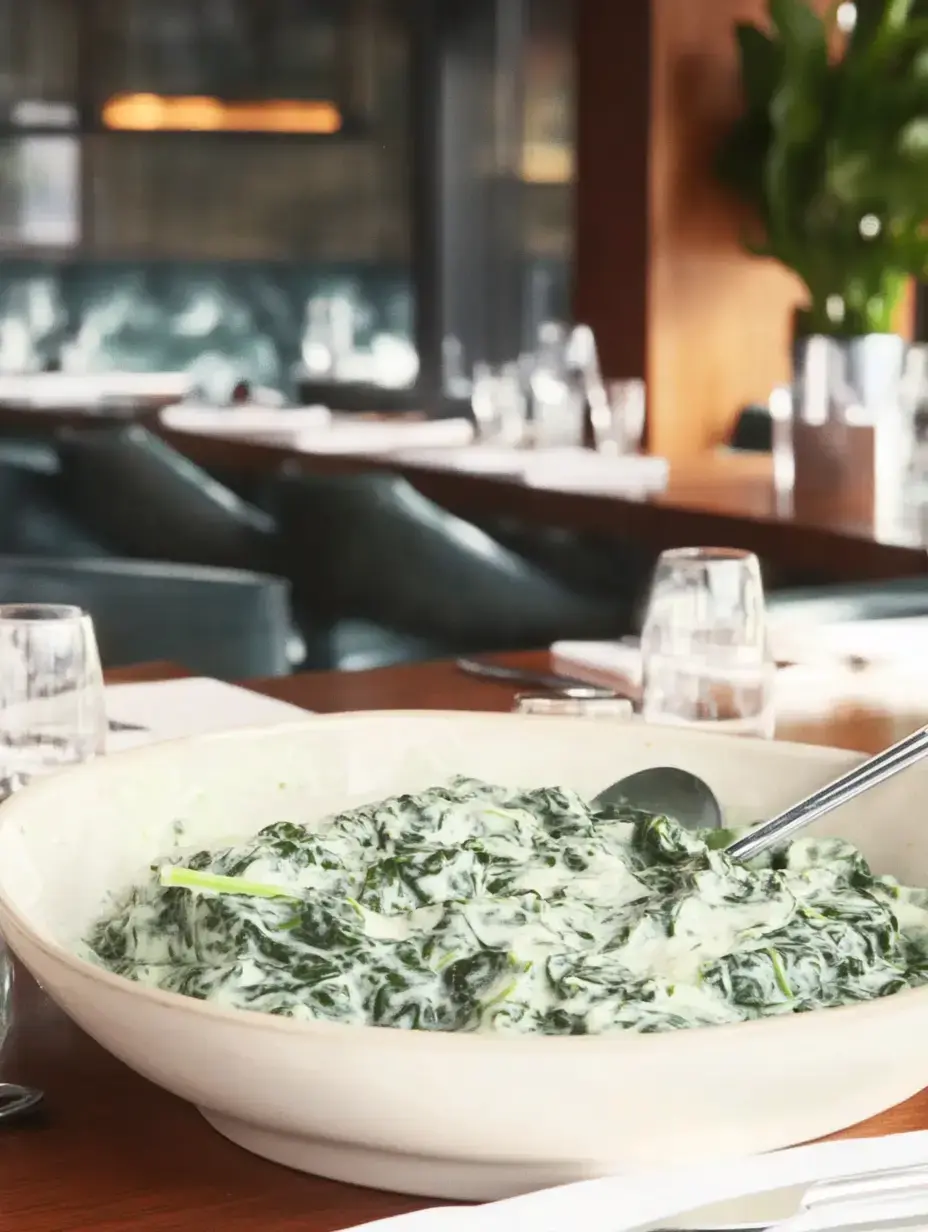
(669, 792)
(566, 686)
(876, 770)
(16, 1101)
(115, 725)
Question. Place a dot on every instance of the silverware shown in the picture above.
(876, 770)
(566, 686)
(667, 791)
(870, 1201)
(115, 725)
(16, 1101)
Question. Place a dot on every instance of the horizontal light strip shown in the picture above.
(150, 113)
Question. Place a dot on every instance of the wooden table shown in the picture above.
(719, 498)
(113, 1152)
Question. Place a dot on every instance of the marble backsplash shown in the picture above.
(268, 323)
(258, 321)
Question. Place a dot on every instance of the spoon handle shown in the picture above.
(883, 766)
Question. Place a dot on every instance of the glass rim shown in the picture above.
(706, 555)
(34, 614)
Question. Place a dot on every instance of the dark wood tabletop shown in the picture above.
(111, 1152)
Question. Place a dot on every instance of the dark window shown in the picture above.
(282, 186)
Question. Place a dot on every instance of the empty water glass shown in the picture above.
(51, 692)
(617, 416)
(704, 645)
(499, 403)
(573, 707)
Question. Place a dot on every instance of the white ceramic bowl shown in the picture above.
(459, 1116)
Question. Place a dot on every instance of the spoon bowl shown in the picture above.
(666, 791)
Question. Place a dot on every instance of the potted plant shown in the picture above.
(830, 154)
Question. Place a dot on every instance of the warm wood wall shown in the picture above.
(660, 274)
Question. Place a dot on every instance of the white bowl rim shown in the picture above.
(452, 1042)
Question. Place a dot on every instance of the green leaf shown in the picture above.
(762, 62)
(190, 879)
(800, 28)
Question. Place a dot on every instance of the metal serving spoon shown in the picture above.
(692, 802)
(868, 774)
(670, 792)
(16, 1101)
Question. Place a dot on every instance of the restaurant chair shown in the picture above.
(216, 622)
(145, 500)
(821, 605)
(32, 519)
(393, 577)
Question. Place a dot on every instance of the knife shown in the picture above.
(569, 686)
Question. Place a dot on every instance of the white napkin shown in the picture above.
(48, 390)
(169, 709)
(379, 437)
(877, 641)
(475, 459)
(598, 659)
(623, 1203)
(582, 470)
(245, 420)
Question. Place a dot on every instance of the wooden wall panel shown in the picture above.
(661, 275)
(611, 200)
(718, 319)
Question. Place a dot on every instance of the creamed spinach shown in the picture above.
(471, 907)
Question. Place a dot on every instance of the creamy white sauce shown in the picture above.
(474, 907)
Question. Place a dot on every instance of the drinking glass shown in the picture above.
(704, 646)
(51, 692)
(499, 403)
(574, 707)
(617, 416)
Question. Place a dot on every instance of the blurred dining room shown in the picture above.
(561, 360)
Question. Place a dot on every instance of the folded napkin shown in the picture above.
(582, 470)
(474, 459)
(245, 420)
(383, 437)
(566, 469)
(169, 709)
(649, 1200)
(613, 660)
(875, 641)
(49, 390)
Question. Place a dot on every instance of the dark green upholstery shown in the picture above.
(32, 519)
(144, 499)
(369, 548)
(216, 622)
(863, 601)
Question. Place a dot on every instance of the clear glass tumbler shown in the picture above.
(499, 404)
(616, 708)
(617, 417)
(52, 712)
(704, 644)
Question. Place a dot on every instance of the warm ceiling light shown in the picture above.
(157, 113)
